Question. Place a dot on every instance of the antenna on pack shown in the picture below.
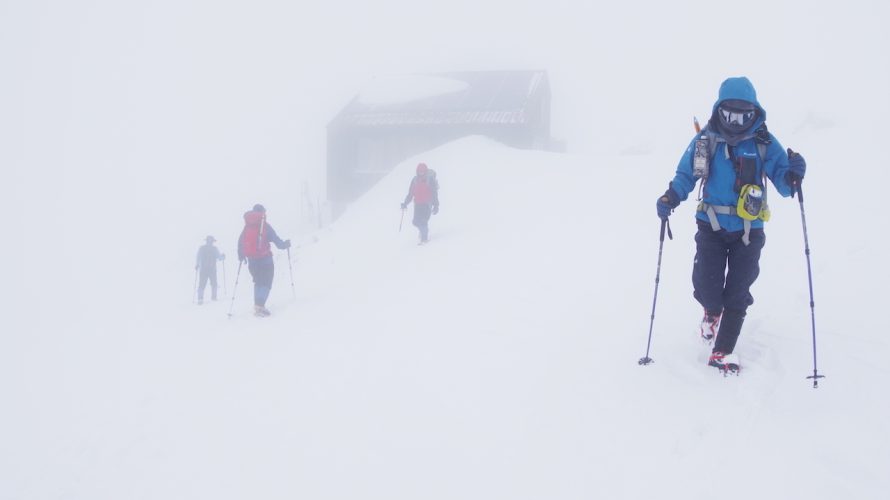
(700, 157)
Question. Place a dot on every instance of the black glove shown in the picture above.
(797, 168)
(667, 203)
(435, 209)
(286, 244)
(404, 205)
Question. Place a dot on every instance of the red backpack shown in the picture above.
(253, 239)
(423, 187)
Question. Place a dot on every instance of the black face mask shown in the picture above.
(736, 116)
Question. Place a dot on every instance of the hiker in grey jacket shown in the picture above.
(205, 264)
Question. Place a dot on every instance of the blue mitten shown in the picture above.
(667, 203)
(797, 168)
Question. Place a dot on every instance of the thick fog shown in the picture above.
(130, 130)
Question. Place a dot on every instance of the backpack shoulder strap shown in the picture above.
(761, 151)
(434, 181)
(763, 139)
(713, 140)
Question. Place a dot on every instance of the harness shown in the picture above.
(710, 140)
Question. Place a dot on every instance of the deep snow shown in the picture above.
(499, 361)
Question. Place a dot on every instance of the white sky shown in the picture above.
(129, 130)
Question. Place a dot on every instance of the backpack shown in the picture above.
(426, 190)
(253, 238)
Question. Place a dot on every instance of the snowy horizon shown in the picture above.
(500, 360)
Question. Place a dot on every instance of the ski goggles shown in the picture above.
(737, 114)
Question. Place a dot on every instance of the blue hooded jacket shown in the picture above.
(720, 187)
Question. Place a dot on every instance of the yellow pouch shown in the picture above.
(750, 205)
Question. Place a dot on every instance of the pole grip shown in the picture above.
(797, 180)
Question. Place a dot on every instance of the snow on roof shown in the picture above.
(406, 88)
(479, 97)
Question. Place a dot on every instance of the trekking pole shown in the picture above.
(401, 220)
(225, 292)
(195, 289)
(235, 288)
(291, 274)
(806, 242)
(664, 225)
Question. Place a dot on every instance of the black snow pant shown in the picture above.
(722, 275)
(207, 274)
(422, 213)
(263, 271)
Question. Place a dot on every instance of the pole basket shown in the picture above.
(815, 377)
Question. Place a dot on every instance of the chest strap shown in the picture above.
(712, 210)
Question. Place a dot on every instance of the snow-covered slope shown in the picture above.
(499, 361)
